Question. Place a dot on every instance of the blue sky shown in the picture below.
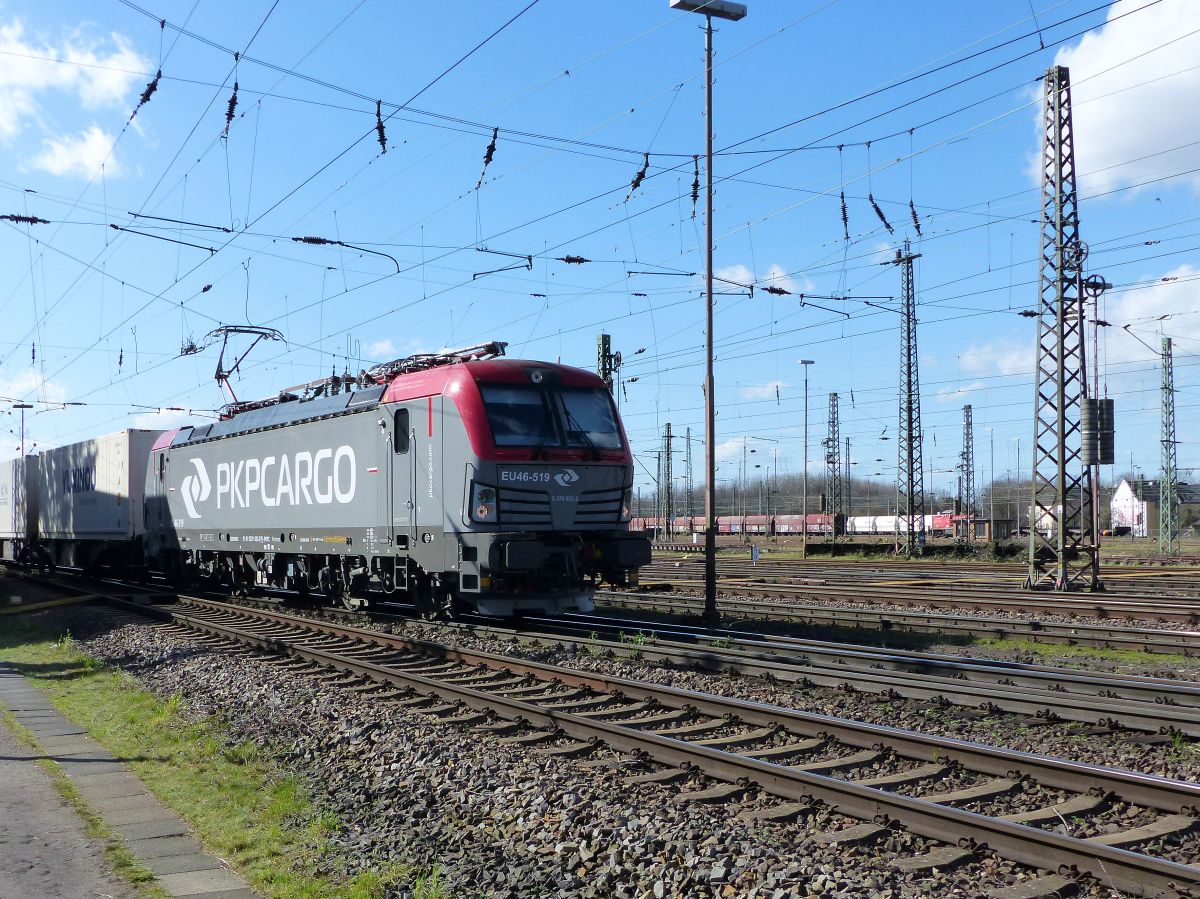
(580, 94)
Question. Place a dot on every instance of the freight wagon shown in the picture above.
(818, 523)
(18, 508)
(90, 496)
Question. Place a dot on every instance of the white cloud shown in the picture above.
(386, 349)
(25, 385)
(1000, 356)
(1152, 312)
(883, 252)
(1140, 108)
(98, 72)
(776, 276)
(763, 391)
(380, 349)
(739, 274)
(79, 155)
(959, 394)
(165, 420)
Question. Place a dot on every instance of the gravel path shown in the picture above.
(44, 850)
(502, 820)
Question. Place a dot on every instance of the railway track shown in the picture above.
(1122, 584)
(975, 599)
(1160, 706)
(1044, 693)
(798, 759)
(1179, 642)
(1184, 614)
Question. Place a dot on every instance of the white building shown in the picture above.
(1134, 505)
(1129, 510)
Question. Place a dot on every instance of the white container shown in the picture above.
(18, 511)
(93, 490)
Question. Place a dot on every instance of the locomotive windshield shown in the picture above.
(527, 415)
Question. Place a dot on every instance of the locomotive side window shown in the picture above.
(400, 437)
(589, 418)
(162, 466)
(518, 415)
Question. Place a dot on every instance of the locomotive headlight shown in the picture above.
(483, 503)
(627, 504)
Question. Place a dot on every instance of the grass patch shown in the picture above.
(242, 807)
(1063, 650)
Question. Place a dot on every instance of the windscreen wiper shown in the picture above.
(572, 421)
(540, 446)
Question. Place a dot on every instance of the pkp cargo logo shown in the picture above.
(566, 477)
(195, 488)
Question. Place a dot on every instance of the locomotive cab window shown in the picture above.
(162, 466)
(589, 418)
(525, 415)
(519, 415)
(400, 435)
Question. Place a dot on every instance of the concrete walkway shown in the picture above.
(154, 833)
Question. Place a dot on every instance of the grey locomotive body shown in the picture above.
(497, 485)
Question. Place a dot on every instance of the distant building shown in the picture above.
(1134, 507)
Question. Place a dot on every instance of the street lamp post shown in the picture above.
(722, 9)
(992, 485)
(22, 407)
(804, 490)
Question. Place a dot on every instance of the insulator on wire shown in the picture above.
(24, 219)
(573, 260)
(206, 288)
(916, 220)
(879, 212)
(33, 354)
(845, 217)
(639, 177)
(379, 126)
(147, 94)
(229, 110)
(778, 291)
(488, 154)
(695, 183)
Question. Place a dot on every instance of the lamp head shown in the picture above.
(720, 9)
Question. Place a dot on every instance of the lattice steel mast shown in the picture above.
(833, 466)
(967, 467)
(1062, 545)
(689, 500)
(910, 477)
(1168, 485)
(668, 481)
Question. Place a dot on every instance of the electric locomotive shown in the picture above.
(459, 480)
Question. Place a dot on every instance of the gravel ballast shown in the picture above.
(499, 819)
